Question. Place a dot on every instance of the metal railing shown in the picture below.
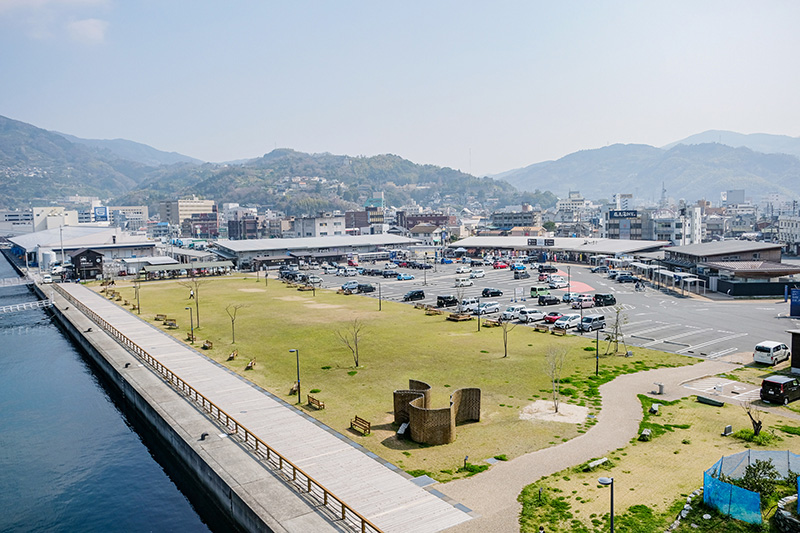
(262, 450)
(38, 304)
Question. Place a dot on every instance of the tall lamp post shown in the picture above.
(297, 353)
(609, 481)
(478, 311)
(136, 285)
(380, 300)
(191, 324)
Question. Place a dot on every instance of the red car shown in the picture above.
(550, 318)
(499, 264)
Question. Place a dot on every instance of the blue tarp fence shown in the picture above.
(735, 501)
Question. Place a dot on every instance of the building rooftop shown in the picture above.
(722, 247)
(572, 244)
(308, 243)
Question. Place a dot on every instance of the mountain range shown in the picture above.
(39, 167)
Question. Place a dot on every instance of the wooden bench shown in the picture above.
(233, 355)
(251, 365)
(170, 323)
(208, 345)
(316, 403)
(190, 337)
(710, 401)
(432, 311)
(542, 327)
(361, 425)
(161, 317)
(595, 464)
(458, 317)
(305, 288)
(558, 331)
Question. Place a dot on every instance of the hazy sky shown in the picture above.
(480, 86)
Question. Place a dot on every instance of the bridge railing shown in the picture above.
(262, 450)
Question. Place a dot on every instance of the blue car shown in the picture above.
(405, 277)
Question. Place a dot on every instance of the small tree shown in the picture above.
(616, 336)
(351, 337)
(507, 326)
(460, 297)
(193, 284)
(754, 415)
(553, 366)
(232, 309)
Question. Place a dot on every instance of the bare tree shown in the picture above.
(193, 284)
(615, 335)
(755, 416)
(553, 366)
(460, 291)
(232, 309)
(507, 326)
(351, 337)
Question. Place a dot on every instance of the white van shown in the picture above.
(592, 322)
(771, 352)
(512, 312)
(469, 304)
(464, 282)
(47, 278)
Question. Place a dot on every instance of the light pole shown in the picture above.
(297, 353)
(609, 481)
(569, 279)
(597, 352)
(478, 311)
(137, 284)
(380, 300)
(191, 324)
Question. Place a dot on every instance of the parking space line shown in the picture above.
(715, 355)
(709, 343)
(678, 336)
(657, 328)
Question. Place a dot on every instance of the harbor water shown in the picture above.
(71, 457)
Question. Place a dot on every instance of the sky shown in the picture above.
(483, 87)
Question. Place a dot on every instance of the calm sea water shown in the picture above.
(70, 458)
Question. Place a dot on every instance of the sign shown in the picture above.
(627, 213)
(541, 242)
(794, 306)
(101, 214)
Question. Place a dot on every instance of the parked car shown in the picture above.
(314, 280)
(488, 292)
(552, 317)
(548, 299)
(499, 264)
(567, 321)
(592, 322)
(521, 274)
(612, 274)
(488, 307)
(602, 269)
(780, 389)
(447, 261)
(544, 277)
(548, 269)
(469, 304)
(47, 278)
(601, 300)
(771, 352)
(626, 278)
(511, 312)
(390, 273)
(518, 266)
(390, 266)
(463, 270)
(475, 262)
(417, 294)
(351, 285)
(446, 301)
(366, 287)
(464, 282)
(569, 296)
(583, 301)
(477, 274)
(424, 266)
(530, 315)
(539, 290)
(557, 282)
(405, 277)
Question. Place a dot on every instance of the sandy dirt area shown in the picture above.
(543, 410)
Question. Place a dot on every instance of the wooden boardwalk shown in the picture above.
(388, 499)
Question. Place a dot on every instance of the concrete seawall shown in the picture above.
(236, 482)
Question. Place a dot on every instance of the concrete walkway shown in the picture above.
(493, 494)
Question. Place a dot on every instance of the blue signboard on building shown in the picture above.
(794, 307)
(101, 214)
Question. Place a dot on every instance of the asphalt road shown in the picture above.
(708, 327)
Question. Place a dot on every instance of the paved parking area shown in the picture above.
(695, 326)
(724, 389)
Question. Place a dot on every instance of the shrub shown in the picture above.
(763, 439)
(314, 391)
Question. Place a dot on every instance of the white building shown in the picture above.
(324, 225)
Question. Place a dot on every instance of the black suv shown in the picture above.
(446, 301)
(626, 278)
(410, 296)
(549, 300)
(487, 292)
(547, 269)
(366, 287)
(390, 273)
(521, 274)
(604, 299)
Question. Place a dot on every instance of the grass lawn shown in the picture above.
(399, 343)
(651, 479)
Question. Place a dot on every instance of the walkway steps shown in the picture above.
(384, 496)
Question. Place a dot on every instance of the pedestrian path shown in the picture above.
(376, 490)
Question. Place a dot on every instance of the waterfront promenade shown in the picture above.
(384, 496)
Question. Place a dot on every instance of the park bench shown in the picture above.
(490, 322)
(432, 311)
(361, 425)
(305, 288)
(316, 403)
(595, 464)
(190, 337)
(458, 317)
(117, 297)
(645, 436)
(251, 365)
(558, 331)
(161, 317)
(542, 327)
(208, 345)
(728, 431)
(710, 401)
(654, 408)
(233, 355)
(126, 303)
(170, 323)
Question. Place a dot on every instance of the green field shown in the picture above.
(399, 343)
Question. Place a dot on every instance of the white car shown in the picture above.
(469, 304)
(530, 315)
(557, 282)
(568, 321)
(464, 282)
(314, 280)
(477, 274)
(583, 301)
(47, 278)
(463, 270)
(489, 307)
(512, 312)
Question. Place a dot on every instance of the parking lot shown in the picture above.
(690, 325)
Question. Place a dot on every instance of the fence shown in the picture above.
(262, 450)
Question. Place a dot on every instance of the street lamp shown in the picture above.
(478, 311)
(297, 352)
(191, 324)
(569, 279)
(609, 481)
(136, 285)
(380, 300)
